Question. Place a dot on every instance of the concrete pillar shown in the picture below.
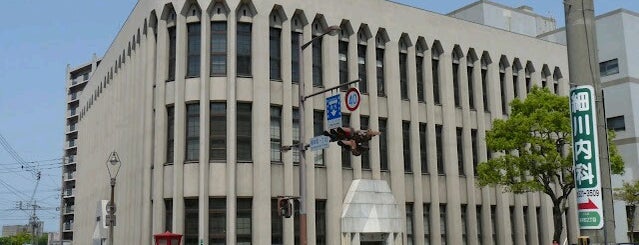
(205, 126)
(418, 200)
(371, 74)
(160, 126)
(180, 127)
(231, 127)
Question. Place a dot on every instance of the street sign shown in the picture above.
(320, 142)
(334, 111)
(353, 98)
(586, 158)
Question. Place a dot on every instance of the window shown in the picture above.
(217, 141)
(276, 133)
(526, 225)
(479, 226)
(383, 149)
(515, 83)
(276, 225)
(343, 63)
(172, 52)
(296, 135)
(473, 142)
(513, 229)
(471, 86)
(406, 145)
(502, 89)
(366, 161)
(295, 56)
(346, 155)
(244, 153)
(243, 226)
(168, 218)
(320, 222)
(616, 123)
(191, 221)
(379, 55)
(460, 151)
(318, 128)
(244, 49)
(317, 63)
(361, 67)
(217, 221)
(420, 78)
(275, 47)
(426, 216)
(423, 149)
(435, 70)
(493, 222)
(456, 82)
(442, 222)
(410, 238)
(403, 75)
(528, 81)
(193, 52)
(540, 226)
(464, 224)
(484, 88)
(170, 133)
(218, 48)
(440, 151)
(192, 132)
(609, 67)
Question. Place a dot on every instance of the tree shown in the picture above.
(534, 146)
(629, 193)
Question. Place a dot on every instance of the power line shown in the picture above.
(36, 161)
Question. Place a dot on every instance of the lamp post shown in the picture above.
(332, 30)
(113, 166)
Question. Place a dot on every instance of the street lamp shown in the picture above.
(113, 166)
(331, 30)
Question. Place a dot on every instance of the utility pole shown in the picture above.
(583, 63)
(33, 219)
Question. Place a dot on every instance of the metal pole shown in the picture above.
(583, 64)
(111, 209)
(302, 145)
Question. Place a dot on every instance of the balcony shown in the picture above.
(70, 159)
(71, 143)
(74, 96)
(69, 209)
(72, 128)
(69, 176)
(68, 226)
(73, 112)
(69, 192)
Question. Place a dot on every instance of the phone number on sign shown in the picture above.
(588, 193)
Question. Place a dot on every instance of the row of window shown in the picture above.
(218, 144)
(217, 222)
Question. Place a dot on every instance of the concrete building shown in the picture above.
(12, 230)
(197, 98)
(76, 81)
(617, 39)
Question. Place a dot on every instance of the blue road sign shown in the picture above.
(334, 111)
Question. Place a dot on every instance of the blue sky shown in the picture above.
(37, 41)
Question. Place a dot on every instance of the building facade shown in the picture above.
(198, 97)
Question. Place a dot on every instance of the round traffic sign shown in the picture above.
(353, 98)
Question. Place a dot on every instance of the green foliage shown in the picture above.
(23, 238)
(629, 193)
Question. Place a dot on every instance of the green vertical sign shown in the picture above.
(586, 157)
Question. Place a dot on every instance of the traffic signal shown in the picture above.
(341, 133)
(355, 141)
(284, 207)
(583, 240)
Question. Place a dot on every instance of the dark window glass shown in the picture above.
(515, 83)
(296, 135)
(275, 47)
(502, 89)
(320, 222)
(410, 238)
(464, 224)
(295, 56)
(406, 145)
(426, 216)
(276, 225)
(471, 87)
(484, 89)
(513, 230)
(423, 148)
(528, 84)
(544, 84)
(366, 164)
(217, 143)
(168, 218)
(526, 225)
(420, 78)
(460, 151)
(276, 133)
(317, 63)
(609, 67)
(170, 133)
(217, 221)
(218, 48)
(193, 50)
(318, 128)
(479, 226)
(456, 85)
(442, 223)
(435, 68)
(403, 75)
(473, 139)
(361, 67)
(191, 221)
(346, 155)
(616, 123)
(192, 132)
(383, 149)
(440, 151)
(172, 52)
(381, 91)
(244, 49)
(343, 63)
(244, 135)
(493, 222)
(243, 225)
